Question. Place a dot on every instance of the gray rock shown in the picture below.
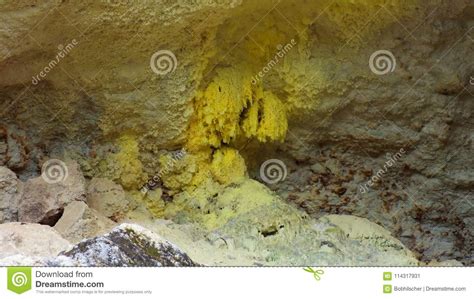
(10, 192)
(13, 148)
(128, 245)
(318, 168)
(43, 202)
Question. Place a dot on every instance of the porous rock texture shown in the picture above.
(11, 189)
(319, 108)
(246, 224)
(30, 239)
(107, 197)
(79, 222)
(128, 245)
(43, 201)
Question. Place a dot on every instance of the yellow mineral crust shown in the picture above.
(228, 166)
(230, 105)
(189, 171)
(266, 119)
(226, 203)
(128, 163)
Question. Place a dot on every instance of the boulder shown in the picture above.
(10, 193)
(79, 222)
(31, 240)
(279, 234)
(128, 245)
(372, 235)
(108, 198)
(43, 200)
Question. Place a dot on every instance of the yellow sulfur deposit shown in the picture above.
(266, 119)
(130, 167)
(228, 166)
(213, 205)
(231, 105)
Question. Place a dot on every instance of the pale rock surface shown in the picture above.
(127, 245)
(79, 222)
(36, 261)
(30, 239)
(108, 198)
(367, 232)
(264, 230)
(446, 263)
(44, 202)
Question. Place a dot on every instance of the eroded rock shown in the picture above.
(278, 234)
(31, 240)
(367, 232)
(80, 222)
(13, 148)
(10, 192)
(108, 198)
(43, 202)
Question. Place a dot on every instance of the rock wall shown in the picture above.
(252, 81)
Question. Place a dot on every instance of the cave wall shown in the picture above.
(104, 106)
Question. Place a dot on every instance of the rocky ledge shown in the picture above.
(245, 224)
